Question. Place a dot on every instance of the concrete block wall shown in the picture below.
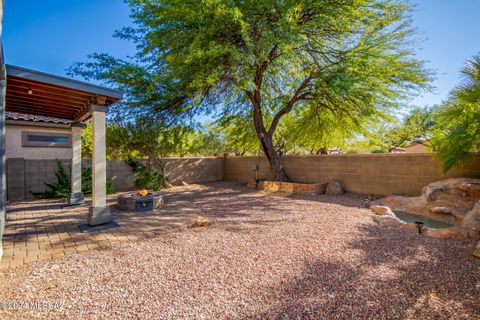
(39, 172)
(26, 177)
(15, 179)
(194, 170)
(121, 175)
(379, 174)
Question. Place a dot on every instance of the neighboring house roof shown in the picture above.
(397, 150)
(9, 115)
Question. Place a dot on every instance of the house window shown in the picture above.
(46, 139)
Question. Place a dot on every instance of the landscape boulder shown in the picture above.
(476, 252)
(334, 188)
(381, 210)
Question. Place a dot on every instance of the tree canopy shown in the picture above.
(458, 131)
(330, 61)
(393, 133)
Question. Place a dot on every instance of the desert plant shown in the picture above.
(62, 187)
(58, 189)
(87, 183)
(146, 178)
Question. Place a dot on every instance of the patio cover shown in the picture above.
(40, 94)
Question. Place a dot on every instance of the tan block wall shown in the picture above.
(178, 170)
(194, 170)
(25, 177)
(14, 148)
(379, 174)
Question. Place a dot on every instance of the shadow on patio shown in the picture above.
(47, 229)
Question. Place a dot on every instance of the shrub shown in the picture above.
(87, 183)
(59, 189)
(62, 188)
(146, 179)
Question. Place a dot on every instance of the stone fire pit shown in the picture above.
(137, 202)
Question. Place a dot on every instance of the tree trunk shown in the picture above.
(274, 159)
(322, 151)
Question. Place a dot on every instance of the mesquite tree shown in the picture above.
(264, 58)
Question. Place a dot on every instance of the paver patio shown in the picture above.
(47, 229)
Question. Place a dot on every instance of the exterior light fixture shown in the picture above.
(420, 226)
(30, 91)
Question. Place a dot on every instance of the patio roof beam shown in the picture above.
(21, 88)
(47, 97)
(39, 93)
(25, 99)
(48, 87)
(85, 114)
(68, 84)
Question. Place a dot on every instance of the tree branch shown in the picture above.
(298, 95)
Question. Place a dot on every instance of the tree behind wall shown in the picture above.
(265, 59)
(391, 133)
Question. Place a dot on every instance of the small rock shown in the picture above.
(334, 188)
(443, 210)
(252, 183)
(200, 222)
(381, 210)
(476, 252)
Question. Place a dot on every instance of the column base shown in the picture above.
(76, 198)
(98, 215)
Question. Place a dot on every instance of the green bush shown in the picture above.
(146, 179)
(62, 188)
(59, 189)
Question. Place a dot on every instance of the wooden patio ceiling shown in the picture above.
(43, 94)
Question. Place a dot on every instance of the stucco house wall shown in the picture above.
(14, 148)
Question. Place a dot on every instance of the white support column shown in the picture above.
(99, 212)
(76, 195)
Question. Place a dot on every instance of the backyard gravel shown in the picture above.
(265, 256)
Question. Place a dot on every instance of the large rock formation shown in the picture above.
(455, 201)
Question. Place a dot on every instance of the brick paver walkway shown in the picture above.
(47, 229)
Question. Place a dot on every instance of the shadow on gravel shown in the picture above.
(385, 275)
(227, 200)
(352, 200)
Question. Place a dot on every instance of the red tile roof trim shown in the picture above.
(30, 117)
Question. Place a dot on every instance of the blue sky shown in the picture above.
(51, 35)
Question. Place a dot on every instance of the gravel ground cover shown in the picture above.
(265, 256)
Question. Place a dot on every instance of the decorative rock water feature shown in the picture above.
(454, 202)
